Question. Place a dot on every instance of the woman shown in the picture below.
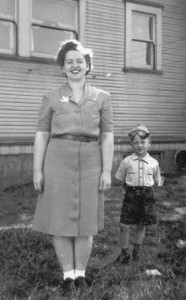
(73, 155)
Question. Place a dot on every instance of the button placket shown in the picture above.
(140, 172)
(75, 183)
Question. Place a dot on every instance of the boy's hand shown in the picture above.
(105, 181)
(162, 180)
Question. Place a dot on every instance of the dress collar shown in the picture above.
(89, 92)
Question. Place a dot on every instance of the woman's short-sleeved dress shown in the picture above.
(71, 204)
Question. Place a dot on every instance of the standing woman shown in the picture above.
(73, 155)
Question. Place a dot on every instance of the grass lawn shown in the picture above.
(29, 269)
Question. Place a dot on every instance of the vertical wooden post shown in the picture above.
(82, 21)
(24, 13)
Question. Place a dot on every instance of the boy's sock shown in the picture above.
(69, 274)
(125, 251)
(136, 251)
(124, 257)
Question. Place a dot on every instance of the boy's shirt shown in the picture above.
(136, 171)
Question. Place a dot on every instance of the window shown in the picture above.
(52, 22)
(35, 28)
(7, 27)
(143, 37)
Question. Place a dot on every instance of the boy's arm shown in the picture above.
(157, 176)
(121, 173)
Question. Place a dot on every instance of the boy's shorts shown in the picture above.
(138, 206)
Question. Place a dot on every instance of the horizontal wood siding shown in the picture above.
(158, 100)
(22, 85)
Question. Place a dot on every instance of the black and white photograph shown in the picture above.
(92, 149)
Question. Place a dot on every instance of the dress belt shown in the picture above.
(73, 137)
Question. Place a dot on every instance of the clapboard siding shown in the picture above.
(22, 85)
(158, 100)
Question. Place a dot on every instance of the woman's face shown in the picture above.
(75, 65)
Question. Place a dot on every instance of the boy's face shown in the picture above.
(140, 145)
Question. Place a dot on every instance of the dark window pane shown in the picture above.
(57, 11)
(151, 24)
(47, 41)
(7, 34)
(149, 54)
(7, 8)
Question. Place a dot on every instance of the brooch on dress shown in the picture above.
(64, 99)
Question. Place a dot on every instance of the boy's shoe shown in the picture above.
(81, 285)
(124, 256)
(68, 287)
(136, 252)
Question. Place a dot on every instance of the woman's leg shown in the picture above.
(82, 250)
(64, 248)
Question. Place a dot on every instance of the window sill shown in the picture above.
(141, 70)
(155, 139)
(14, 57)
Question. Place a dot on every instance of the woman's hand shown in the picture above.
(38, 181)
(40, 146)
(107, 148)
(105, 181)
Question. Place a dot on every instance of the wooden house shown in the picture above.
(139, 57)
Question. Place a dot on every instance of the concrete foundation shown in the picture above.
(16, 162)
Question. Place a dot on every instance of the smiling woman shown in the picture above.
(75, 66)
(71, 170)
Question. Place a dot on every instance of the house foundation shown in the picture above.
(16, 161)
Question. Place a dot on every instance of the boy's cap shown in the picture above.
(140, 128)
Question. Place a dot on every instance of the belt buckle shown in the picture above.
(81, 138)
(85, 138)
(138, 192)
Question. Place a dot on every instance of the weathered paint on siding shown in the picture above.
(158, 100)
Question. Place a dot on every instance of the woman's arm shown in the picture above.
(40, 145)
(107, 148)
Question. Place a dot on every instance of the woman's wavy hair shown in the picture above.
(74, 45)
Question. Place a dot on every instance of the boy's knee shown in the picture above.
(140, 228)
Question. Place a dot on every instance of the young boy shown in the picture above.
(138, 172)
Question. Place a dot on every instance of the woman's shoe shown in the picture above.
(81, 285)
(68, 287)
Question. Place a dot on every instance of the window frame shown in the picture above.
(23, 21)
(11, 20)
(150, 10)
